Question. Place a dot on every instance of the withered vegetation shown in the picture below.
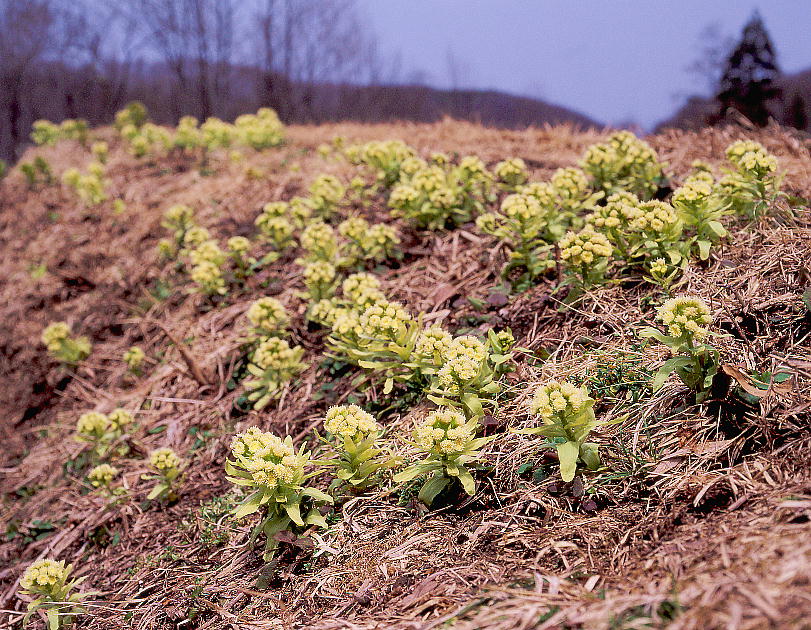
(700, 518)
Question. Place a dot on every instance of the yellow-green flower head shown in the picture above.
(428, 179)
(619, 210)
(403, 196)
(354, 228)
(207, 251)
(275, 353)
(318, 273)
(208, 276)
(268, 315)
(472, 167)
(467, 346)
(71, 177)
(271, 461)
(488, 222)
(512, 171)
(134, 357)
(444, 432)
(751, 156)
(102, 475)
(166, 248)
(685, 316)
(44, 576)
(318, 236)
(658, 267)
(301, 209)
(655, 217)
(570, 183)
(521, 207)
(439, 158)
(164, 459)
(383, 320)
(328, 188)
(433, 345)
(444, 197)
(324, 150)
(276, 208)
(555, 402)
(120, 419)
(325, 312)
(584, 247)
(177, 216)
(278, 229)
(139, 145)
(544, 192)
(506, 339)
(92, 424)
(99, 150)
(382, 235)
(54, 334)
(347, 324)
(357, 283)
(350, 421)
(239, 245)
(357, 183)
(411, 165)
(457, 371)
(195, 236)
(695, 189)
(96, 170)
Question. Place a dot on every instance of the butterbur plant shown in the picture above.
(355, 434)
(134, 358)
(103, 432)
(64, 347)
(274, 474)
(753, 186)
(451, 447)
(701, 211)
(568, 418)
(168, 470)
(468, 376)
(586, 255)
(101, 478)
(686, 319)
(273, 363)
(268, 318)
(511, 173)
(48, 585)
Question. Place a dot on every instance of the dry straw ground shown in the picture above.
(701, 521)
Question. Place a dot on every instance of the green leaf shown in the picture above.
(317, 495)
(468, 483)
(668, 367)
(432, 488)
(716, 227)
(249, 505)
(53, 619)
(156, 491)
(704, 249)
(388, 386)
(294, 512)
(567, 454)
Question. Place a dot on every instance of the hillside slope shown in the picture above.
(700, 519)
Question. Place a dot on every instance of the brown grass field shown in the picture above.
(700, 520)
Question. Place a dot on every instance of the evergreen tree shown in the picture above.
(747, 84)
(796, 115)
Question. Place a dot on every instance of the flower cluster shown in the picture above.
(326, 192)
(48, 582)
(168, 468)
(133, 114)
(90, 186)
(701, 208)
(273, 363)
(319, 279)
(685, 317)
(44, 132)
(350, 421)
(568, 418)
(62, 346)
(432, 348)
(102, 476)
(752, 187)
(624, 162)
(274, 473)
(268, 317)
(450, 445)
(586, 254)
(384, 157)
(511, 173)
(694, 362)
(279, 220)
(376, 242)
(134, 358)
(319, 241)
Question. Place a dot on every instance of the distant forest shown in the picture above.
(310, 60)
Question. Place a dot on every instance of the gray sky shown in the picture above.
(615, 60)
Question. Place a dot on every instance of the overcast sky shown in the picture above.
(615, 61)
